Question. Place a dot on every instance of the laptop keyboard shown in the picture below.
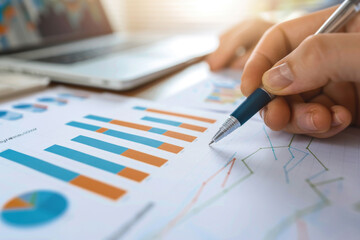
(75, 57)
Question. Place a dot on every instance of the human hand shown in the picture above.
(316, 78)
(237, 44)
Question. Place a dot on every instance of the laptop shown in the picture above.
(73, 42)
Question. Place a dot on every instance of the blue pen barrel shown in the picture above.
(256, 101)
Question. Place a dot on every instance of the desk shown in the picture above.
(163, 87)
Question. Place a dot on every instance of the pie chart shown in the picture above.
(34, 208)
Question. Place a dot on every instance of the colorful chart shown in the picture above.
(56, 101)
(71, 95)
(34, 208)
(35, 108)
(63, 174)
(10, 116)
(224, 92)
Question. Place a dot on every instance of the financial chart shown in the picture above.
(141, 170)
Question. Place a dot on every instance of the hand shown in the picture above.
(237, 44)
(317, 78)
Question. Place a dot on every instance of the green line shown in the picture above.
(308, 148)
(291, 141)
(33, 199)
(329, 181)
(311, 140)
(274, 233)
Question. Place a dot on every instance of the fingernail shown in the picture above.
(306, 122)
(262, 112)
(278, 77)
(336, 120)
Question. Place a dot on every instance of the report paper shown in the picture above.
(76, 165)
(217, 92)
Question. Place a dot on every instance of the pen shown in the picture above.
(260, 98)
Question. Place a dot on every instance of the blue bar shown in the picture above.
(134, 138)
(109, 147)
(83, 126)
(163, 121)
(85, 158)
(97, 118)
(158, 130)
(140, 108)
(39, 165)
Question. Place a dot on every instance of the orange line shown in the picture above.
(208, 120)
(194, 200)
(193, 127)
(228, 173)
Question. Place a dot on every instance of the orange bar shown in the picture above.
(170, 148)
(100, 188)
(143, 157)
(182, 115)
(193, 127)
(180, 136)
(133, 174)
(131, 125)
(101, 130)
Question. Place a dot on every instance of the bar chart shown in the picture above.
(99, 163)
(152, 110)
(136, 161)
(130, 137)
(63, 174)
(161, 131)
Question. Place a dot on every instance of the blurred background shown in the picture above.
(174, 16)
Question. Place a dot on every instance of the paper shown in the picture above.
(218, 92)
(110, 167)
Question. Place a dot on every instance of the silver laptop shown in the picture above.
(73, 42)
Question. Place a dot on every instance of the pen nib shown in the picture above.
(212, 141)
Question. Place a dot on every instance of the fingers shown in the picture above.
(239, 62)
(276, 43)
(245, 34)
(317, 61)
(313, 119)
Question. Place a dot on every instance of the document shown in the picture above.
(217, 92)
(77, 165)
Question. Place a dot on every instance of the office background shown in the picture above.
(174, 16)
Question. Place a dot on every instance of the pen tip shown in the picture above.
(212, 141)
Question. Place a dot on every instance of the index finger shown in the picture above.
(278, 42)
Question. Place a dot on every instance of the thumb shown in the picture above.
(315, 62)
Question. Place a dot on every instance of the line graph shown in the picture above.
(297, 156)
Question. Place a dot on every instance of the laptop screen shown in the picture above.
(29, 24)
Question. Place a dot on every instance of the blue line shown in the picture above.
(162, 121)
(85, 158)
(39, 165)
(134, 138)
(84, 126)
(140, 108)
(109, 147)
(287, 171)
(97, 118)
(272, 147)
(317, 174)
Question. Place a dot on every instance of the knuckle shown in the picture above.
(314, 50)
